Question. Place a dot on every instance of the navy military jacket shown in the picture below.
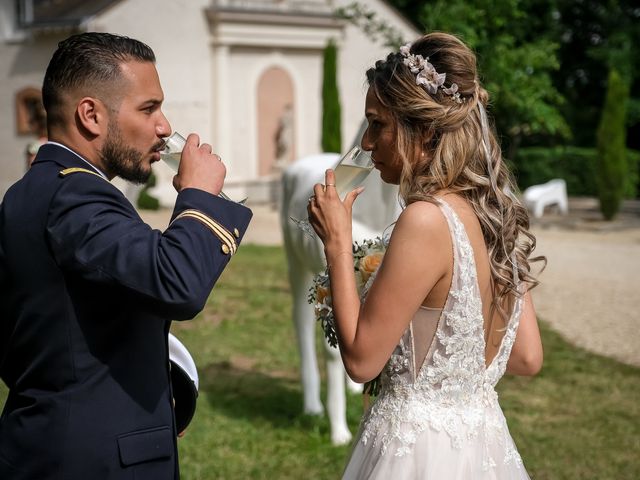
(87, 293)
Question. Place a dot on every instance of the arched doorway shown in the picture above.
(276, 110)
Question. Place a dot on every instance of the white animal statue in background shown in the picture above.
(554, 192)
(374, 210)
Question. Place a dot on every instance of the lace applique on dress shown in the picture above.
(452, 391)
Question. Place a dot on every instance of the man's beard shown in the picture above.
(123, 161)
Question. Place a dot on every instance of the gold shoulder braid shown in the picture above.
(67, 171)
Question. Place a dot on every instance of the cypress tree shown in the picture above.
(611, 163)
(331, 123)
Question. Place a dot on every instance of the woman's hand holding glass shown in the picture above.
(352, 169)
(330, 216)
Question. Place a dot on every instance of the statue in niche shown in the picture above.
(284, 140)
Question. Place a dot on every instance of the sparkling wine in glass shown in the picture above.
(352, 169)
(172, 153)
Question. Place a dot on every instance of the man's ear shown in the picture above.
(92, 116)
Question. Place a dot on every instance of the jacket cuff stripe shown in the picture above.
(219, 231)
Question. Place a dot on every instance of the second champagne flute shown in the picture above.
(350, 172)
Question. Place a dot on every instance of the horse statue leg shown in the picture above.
(305, 326)
(336, 398)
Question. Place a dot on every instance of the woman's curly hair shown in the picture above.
(458, 162)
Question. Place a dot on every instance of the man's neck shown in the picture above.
(98, 170)
(84, 149)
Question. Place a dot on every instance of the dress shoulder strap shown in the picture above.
(463, 252)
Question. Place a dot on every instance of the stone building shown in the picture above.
(245, 74)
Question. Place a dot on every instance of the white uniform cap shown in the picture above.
(179, 355)
(184, 381)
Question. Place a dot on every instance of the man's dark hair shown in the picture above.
(87, 60)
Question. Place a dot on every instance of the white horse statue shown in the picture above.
(374, 210)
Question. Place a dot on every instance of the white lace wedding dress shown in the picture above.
(437, 416)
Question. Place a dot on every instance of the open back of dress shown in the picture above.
(437, 415)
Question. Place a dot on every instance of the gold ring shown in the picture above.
(330, 185)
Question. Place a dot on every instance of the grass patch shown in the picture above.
(578, 419)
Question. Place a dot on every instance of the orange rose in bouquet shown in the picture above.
(367, 257)
(323, 295)
(369, 264)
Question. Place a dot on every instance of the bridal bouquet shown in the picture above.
(366, 260)
(367, 257)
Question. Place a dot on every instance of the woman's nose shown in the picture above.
(365, 143)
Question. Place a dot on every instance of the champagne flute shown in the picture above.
(350, 172)
(172, 152)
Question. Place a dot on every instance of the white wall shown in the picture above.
(356, 55)
(21, 65)
(177, 31)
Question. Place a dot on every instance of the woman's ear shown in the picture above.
(92, 116)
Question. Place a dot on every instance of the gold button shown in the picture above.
(236, 232)
(225, 249)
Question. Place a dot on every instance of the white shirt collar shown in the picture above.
(81, 158)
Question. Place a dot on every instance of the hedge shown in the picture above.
(577, 166)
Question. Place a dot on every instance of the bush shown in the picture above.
(577, 166)
(146, 201)
(612, 162)
(331, 122)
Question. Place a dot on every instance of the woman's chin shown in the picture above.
(390, 179)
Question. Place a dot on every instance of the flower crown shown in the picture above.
(426, 74)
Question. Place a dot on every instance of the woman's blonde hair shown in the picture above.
(450, 131)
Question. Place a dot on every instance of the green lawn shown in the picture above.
(578, 419)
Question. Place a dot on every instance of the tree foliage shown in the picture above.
(612, 165)
(331, 113)
(516, 60)
(544, 62)
(376, 28)
(595, 36)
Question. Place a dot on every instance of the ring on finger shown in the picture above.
(311, 198)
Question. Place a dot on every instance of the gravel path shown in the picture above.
(590, 290)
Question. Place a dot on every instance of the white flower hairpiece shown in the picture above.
(426, 74)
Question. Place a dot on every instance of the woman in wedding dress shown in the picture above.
(449, 309)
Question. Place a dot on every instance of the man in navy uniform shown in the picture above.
(87, 289)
